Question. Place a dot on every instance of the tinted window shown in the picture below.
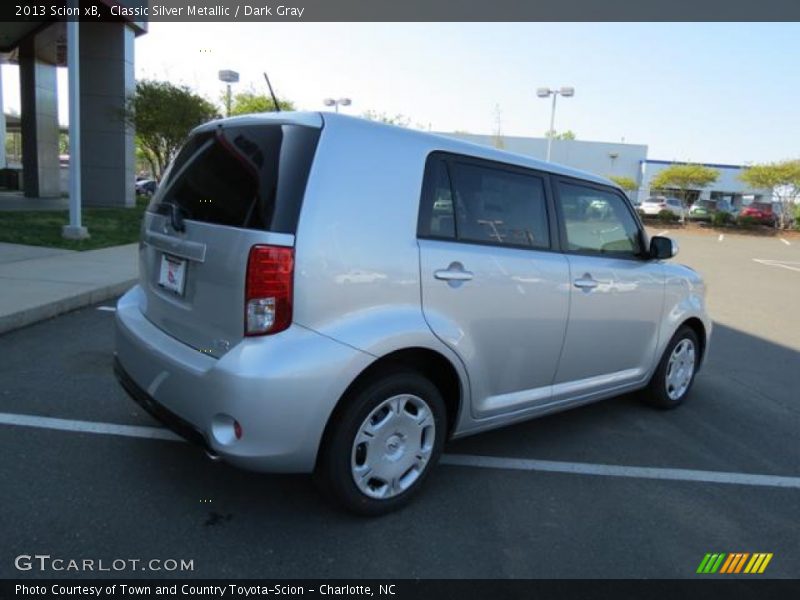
(597, 221)
(441, 220)
(252, 177)
(499, 206)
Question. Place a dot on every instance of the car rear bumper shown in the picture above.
(281, 389)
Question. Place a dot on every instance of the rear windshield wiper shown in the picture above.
(176, 214)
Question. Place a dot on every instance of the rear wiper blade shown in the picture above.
(176, 215)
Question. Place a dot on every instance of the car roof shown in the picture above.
(436, 142)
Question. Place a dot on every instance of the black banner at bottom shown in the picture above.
(401, 589)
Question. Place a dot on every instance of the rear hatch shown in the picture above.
(235, 184)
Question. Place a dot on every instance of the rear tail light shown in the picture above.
(268, 290)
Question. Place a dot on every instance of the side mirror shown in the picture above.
(662, 248)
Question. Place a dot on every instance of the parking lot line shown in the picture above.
(721, 237)
(784, 264)
(155, 433)
(575, 468)
(460, 460)
(107, 308)
(661, 233)
(785, 241)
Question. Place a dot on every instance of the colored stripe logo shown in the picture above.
(734, 562)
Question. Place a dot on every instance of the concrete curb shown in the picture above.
(52, 309)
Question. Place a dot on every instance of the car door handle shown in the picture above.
(455, 272)
(587, 282)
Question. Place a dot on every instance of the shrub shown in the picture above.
(721, 219)
(747, 222)
(668, 216)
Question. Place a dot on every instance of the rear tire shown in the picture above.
(675, 373)
(382, 443)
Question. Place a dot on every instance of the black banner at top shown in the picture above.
(400, 10)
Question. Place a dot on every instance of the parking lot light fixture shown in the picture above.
(337, 103)
(228, 77)
(543, 92)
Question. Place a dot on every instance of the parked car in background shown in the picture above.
(146, 187)
(702, 210)
(761, 212)
(655, 204)
(283, 329)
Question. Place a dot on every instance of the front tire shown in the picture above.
(383, 443)
(675, 374)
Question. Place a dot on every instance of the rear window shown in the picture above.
(250, 177)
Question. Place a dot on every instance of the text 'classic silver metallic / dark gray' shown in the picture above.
(325, 294)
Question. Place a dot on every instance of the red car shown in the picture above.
(760, 211)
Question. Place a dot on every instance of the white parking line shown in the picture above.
(785, 241)
(660, 233)
(721, 237)
(784, 264)
(155, 433)
(527, 464)
(459, 460)
(107, 308)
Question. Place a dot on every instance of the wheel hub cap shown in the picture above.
(393, 446)
(680, 369)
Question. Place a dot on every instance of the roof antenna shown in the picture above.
(272, 93)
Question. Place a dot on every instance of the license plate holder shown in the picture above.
(172, 275)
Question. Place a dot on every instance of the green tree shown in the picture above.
(399, 119)
(250, 101)
(626, 183)
(564, 135)
(162, 115)
(783, 178)
(683, 178)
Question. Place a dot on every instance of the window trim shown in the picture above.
(562, 225)
(449, 159)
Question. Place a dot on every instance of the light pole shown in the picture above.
(337, 103)
(228, 77)
(544, 92)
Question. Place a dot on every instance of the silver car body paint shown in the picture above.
(523, 340)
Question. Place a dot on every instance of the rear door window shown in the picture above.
(249, 177)
(483, 202)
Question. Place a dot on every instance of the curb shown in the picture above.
(52, 309)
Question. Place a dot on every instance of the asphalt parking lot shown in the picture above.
(594, 512)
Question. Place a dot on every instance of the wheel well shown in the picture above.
(429, 363)
(696, 325)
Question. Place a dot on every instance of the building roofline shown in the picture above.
(522, 137)
(682, 162)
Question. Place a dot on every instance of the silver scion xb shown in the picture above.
(330, 295)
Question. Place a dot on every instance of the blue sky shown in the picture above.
(712, 92)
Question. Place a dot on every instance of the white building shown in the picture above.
(627, 160)
(601, 158)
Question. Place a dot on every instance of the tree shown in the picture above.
(564, 135)
(626, 183)
(685, 177)
(783, 178)
(162, 115)
(399, 119)
(250, 101)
